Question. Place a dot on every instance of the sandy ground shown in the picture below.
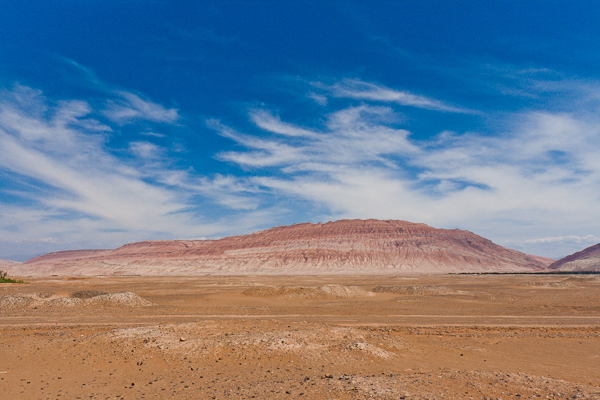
(454, 337)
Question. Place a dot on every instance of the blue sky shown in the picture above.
(127, 120)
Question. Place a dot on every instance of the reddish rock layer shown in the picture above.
(62, 256)
(585, 260)
(341, 247)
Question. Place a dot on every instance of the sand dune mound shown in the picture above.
(32, 300)
(121, 299)
(15, 301)
(307, 292)
(61, 303)
(92, 299)
(415, 290)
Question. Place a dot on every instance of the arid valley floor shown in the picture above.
(203, 337)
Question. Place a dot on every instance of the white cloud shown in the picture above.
(352, 135)
(131, 107)
(318, 98)
(74, 190)
(145, 150)
(565, 239)
(361, 90)
(230, 191)
(272, 123)
(154, 134)
(97, 183)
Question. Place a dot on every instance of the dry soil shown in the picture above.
(430, 337)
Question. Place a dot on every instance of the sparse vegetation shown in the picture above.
(4, 279)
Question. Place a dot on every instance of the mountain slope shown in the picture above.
(585, 260)
(341, 247)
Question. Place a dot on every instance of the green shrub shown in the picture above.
(4, 279)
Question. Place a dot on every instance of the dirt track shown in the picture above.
(301, 337)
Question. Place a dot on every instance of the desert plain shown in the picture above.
(505, 336)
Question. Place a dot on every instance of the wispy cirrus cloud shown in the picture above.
(361, 90)
(56, 147)
(118, 105)
(272, 123)
(62, 183)
(350, 136)
(131, 107)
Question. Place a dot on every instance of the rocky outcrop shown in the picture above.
(341, 247)
(586, 260)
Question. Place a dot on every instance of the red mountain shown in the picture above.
(341, 247)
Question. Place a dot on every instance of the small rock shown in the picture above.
(182, 339)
